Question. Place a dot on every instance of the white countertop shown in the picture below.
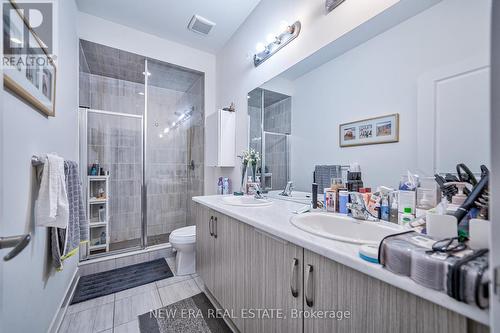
(275, 220)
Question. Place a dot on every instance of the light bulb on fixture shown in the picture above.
(284, 26)
(173, 124)
(166, 130)
(260, 47)
(270, 38)
(182, 116)
(161, 135)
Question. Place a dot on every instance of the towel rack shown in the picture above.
(36, 161)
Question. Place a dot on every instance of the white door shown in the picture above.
(453, 117)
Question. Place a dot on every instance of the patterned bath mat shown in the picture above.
(113, 281)
(194, 314)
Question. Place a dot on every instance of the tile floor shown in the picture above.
(118, 312)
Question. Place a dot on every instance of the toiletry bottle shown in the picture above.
(225, 186)
(220, 186)
(314, 195)
(343, 200)
(103, 237)
(385, 209)
(102, 214)
(394, 207)
(97, 168)
(335, 188)
(424, 204)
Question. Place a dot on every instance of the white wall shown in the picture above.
(32, 291)
(380, 77)
(108, 33)
(236, 75)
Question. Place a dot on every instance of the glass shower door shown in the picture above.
(113, 189)
(174, 147)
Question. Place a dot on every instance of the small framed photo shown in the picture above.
(30, 73)
(383, 129)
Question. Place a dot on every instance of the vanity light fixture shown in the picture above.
(332, 4)
(275, 43)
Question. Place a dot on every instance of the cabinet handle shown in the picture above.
(215, 227)
(309, 286)
(210, 225)
(293, 277)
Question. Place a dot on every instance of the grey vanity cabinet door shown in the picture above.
(374, 305)
(204, 245)
(273, 268)
(230, 267)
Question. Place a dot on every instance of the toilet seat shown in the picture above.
(185, 235)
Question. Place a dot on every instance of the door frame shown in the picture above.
(83, 160)
(495, 169)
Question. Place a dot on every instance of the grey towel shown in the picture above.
(65, 242)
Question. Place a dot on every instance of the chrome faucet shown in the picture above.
(287, 191)
(358, 208)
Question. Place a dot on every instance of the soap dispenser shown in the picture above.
(459, 198)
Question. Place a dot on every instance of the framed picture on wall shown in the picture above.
(30, 72)
(383, 129)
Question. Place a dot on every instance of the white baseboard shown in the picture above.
(63, 306)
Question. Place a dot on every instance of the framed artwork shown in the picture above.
(33, 78)
(384, 129)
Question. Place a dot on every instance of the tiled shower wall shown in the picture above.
(116, 144)
(171, 182)
(278, 117)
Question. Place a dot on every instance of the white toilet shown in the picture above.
(184, 241)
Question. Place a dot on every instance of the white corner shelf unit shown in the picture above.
(98, 213)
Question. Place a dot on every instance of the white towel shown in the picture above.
(52, 208)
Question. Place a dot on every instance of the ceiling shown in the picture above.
(121, 65)
(168, 19)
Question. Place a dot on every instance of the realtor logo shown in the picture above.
(18, 39)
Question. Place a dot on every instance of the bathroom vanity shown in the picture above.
(270, 276)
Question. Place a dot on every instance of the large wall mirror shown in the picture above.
(432, 70)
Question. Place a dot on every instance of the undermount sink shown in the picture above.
(344, 228)
(246, 201)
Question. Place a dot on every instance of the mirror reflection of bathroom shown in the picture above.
(434, 102)
(270, 114)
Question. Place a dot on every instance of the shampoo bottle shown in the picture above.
(220, 186)
(385, 209)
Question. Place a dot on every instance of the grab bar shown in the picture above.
(17, 242)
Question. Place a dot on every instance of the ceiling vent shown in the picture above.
(200, 25)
